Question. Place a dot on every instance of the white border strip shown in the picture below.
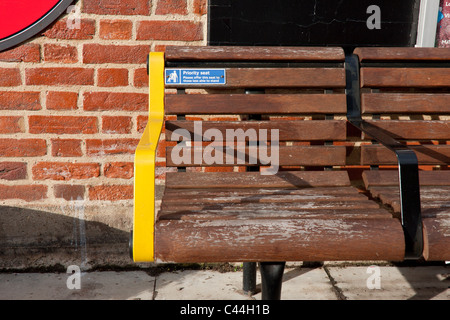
(426, 33)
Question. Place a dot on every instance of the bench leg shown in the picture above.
(249, 278)
(271, 279)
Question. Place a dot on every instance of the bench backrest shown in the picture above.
(406, 92)
(299, 92)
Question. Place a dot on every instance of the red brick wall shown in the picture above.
(74, 101)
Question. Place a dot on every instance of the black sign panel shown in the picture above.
(346, 23)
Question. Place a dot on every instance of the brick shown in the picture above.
(69, 192)
(60, 30)
(10, 77)
(29, 52)
(57, 100)
(120, 170)
(171, 7)
(97, 53)
(160, 47)
(115, 29)
(11, 124)
(170, 30)
(116, 7)
(13, 170)
(23, 192)
(141, 123)
(219, 169)
(140, 79)
(97, 147)
(111, 193)
(62, 124)
(162, 145)
(112, 77)
(22, 147)
(66, 148)
(65, 171)
(116, 124)
(121, 101)
(60, 53)
(200, 7)
(59, 76)
(10, 100)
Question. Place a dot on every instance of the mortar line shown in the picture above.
(337, 291)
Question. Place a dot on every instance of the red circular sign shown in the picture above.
(22, 19)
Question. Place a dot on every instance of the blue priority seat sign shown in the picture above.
(195, 76)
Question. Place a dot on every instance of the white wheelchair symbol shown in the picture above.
(173, 77)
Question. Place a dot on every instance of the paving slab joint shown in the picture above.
(337, 291)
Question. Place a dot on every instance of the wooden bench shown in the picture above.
(405, 92)
(301, 206)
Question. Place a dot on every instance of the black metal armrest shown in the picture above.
(408, 168)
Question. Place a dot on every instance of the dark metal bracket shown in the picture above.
(408, 167)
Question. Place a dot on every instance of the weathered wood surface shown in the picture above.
(282, 179)
(403, 54)
(288, 130)
(405, 77)
(437, 239)
(276, 78)
(435, 204)
(414, 129)
(390, 178)
(426, 154)
(278, 240)
(405, 103)
(255, 104)
(318, 193)
(233, 53)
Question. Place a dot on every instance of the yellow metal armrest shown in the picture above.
(144, 165)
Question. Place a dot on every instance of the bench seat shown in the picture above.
(435, 203)
(405, 92)
(290, 216)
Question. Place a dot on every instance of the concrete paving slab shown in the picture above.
(200, 285)
(304, 284)
(93, 286)
(392, 283)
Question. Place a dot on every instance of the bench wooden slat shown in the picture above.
(279, 240)
(437, 239)
(255, 104)
(318, 194)
(403, 54)
(390, 178)
(259, 211)
(274, 202)
(230, 53)
(277, 78)
(288, 130)
(287, 156)
(426, 154)
(283, 179)
(405, 103)
(405, 77)
(414, 129)
(426, 193)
